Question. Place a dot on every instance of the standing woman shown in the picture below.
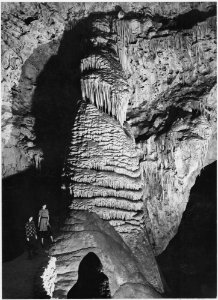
(31, 237)
(43, 223)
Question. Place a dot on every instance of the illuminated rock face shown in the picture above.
(103, 176)
(169, 69)
(169, 168)
(172, 71)
(85, 232)
(153, 66)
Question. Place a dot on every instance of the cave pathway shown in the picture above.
(19, 276)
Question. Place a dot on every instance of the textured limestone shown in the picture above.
(171, 74)
(152, 28)
(171, 79)
(170, 167)
(103, 79)
(98, 143)
(164, 54)
(130, 290)
(92, 234)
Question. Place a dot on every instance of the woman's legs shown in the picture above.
(45, 234)
(30, 250)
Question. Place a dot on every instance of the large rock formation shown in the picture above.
(192, 254)
(103, 176)
(153, 65)
(83, 233)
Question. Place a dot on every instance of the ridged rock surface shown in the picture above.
(38, 26)
(85, 232)
(156, 68)
(171, 65)
(103, 175)
(170, 166)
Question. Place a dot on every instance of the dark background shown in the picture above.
(189, 263)
(23, 195)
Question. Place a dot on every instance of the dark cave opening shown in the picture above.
(189, 261)
(189, 19)
(92, 283)
(186, 20)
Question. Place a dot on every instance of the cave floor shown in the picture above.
(18, 276)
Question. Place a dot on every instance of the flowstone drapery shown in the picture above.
(145, 128)
(102, 175)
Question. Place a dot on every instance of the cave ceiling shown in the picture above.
(133, 87)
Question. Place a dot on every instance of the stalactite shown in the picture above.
(92, 62)
(104, 95)
(101, 94)
(154, 172)
(182, 41)
(106, 86)
(125, 37)
(38, 159)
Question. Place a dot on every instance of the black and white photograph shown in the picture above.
(109, 150)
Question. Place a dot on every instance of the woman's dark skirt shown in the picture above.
(46, 234)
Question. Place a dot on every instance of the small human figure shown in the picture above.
(43, 224)
(31, 237)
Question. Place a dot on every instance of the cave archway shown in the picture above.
(92, 283)
(189, 262)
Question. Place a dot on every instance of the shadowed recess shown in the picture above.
(189, 262)
(92, 283)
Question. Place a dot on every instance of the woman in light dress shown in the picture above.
(43, 223)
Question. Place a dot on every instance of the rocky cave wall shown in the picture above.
(149, 70)
(189, 261)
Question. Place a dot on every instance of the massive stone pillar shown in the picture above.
(103, 178)
(154, 66)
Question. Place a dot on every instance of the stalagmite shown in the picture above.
(149, 69)
(115, 196)
(123, 198)
(89, 183)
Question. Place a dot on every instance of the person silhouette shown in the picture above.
(92, 283)
(31, 237)
(43, 224)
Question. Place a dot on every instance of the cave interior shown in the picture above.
(165, 124)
